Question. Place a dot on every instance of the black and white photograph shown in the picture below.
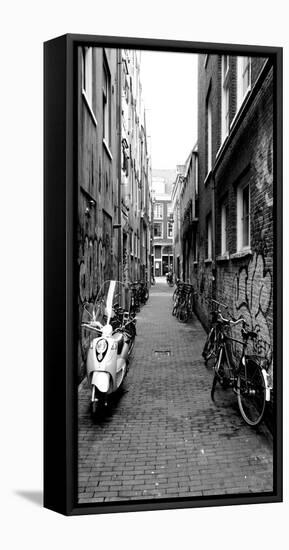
(144, 261)
(176, 260)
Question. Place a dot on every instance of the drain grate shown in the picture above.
(162, 352)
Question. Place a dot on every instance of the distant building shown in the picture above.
(162, 256)
(185, 212)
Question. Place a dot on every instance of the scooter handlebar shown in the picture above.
(91, 327)
(122, 328)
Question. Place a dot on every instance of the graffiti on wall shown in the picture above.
(94, 268)
(91, 268)
(263, 160)
(252, 298)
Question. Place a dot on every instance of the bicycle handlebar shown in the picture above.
(232, 321)
(90, 327)
(219, 303)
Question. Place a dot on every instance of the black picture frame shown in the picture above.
(60, 277)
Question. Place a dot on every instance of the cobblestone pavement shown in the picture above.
(163, 437)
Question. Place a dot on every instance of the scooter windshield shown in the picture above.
(111, 296)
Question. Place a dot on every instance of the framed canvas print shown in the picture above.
(163, 274)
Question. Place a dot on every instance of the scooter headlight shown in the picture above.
(101, 346)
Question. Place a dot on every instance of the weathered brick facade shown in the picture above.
(98, 154)
(240, 275)
(114, 203)
(135, 174)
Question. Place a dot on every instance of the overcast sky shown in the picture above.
(169, 82)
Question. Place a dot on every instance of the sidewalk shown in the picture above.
(164, 437)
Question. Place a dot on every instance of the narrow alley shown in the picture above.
(163, 437)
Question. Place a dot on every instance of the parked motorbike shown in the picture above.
(170, 278)
(111, 334)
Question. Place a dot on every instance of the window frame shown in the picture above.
(242, 69)
(209, 133)
(224, 229)
(225, 98)
(158, 258)
(209, 238)
(196, 171)
(172, 229)
(169, 209)
(106, 104)
(240, 217)
(159, 204)
(195, 247)
(87, 86)
(162, 230)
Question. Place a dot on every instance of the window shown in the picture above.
(196, 175)
(131, 243)
(158, 230)
(106, 105)
(225, 97)
(209, 237)
(158, 252)
(87, 74)
(209, 134)
(158, 211)
(195, 246)
(169, 209)
(243, 78)
(136, 242)
(170, 230)
(224, 238)
(243, 216)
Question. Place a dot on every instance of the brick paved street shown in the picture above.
(163, 437)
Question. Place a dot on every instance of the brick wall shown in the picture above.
(245, 283)
(97, 187)
(209, 81)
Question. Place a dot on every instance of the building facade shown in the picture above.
(227, 250)
(114, 174)
(162, 256)
(135, 174)
(185, 212)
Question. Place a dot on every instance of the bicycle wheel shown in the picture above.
(210, 345)
(251, 392)
(182, 314)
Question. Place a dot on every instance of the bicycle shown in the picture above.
(183, 306)
(143, 291)
(211, 343)
(135, 305)
(249, 379)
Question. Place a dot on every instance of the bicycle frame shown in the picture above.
(249, 379)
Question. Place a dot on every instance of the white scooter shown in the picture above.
(111, 337)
